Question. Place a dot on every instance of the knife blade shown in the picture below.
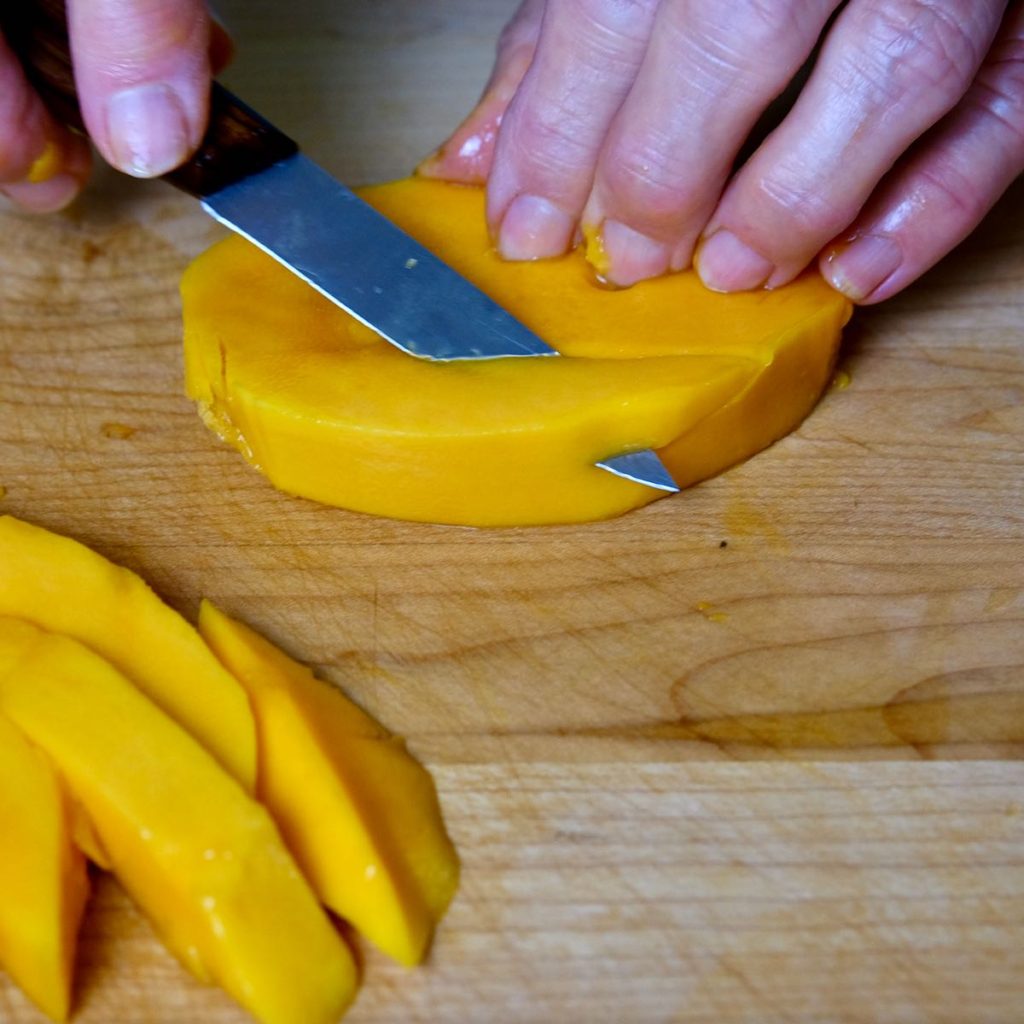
(251, 177)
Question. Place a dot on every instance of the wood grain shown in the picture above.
(777, 780)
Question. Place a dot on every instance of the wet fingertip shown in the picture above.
(428, 166)
(725, 263)
(534, 228)
(860, 265)
(631, 255)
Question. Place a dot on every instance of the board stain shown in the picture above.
(992, 719)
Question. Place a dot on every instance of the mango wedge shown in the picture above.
(43, 882)
(201, 858)
(359, 813)
(64, 587)
(329, 411)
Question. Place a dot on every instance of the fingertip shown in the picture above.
(861, 266)
(47, 196)
(534, 228)
(143, 74)
(148, 130)
(725, 263)
(468, 154)
(628, 256)
(55, 177)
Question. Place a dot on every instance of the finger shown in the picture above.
(587, 57)
(42, 166)
(222, 46)
(466, 156)
(940, 193)
(888, 71)
(709, 72)
(143, 74)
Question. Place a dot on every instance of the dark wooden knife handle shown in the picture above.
(238, 142)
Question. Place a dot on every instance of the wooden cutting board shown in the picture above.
(751, 754)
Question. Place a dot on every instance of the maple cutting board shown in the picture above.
(750, 754)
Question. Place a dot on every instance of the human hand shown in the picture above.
(142, 71)
(625, 117)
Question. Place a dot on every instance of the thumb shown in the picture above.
(143, 74)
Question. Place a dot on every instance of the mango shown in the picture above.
(64, 587)
(199, 856)
(43, 881)
(329, 411)
(359, 813)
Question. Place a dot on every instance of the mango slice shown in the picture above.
(359, 813)
(329, 411)
(43, 882)
(201, 858)
(64, 587)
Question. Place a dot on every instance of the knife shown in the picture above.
(251, 177)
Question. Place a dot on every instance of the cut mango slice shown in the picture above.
(43, 882)
(64, 587)
(329, 411)
(358, 811)
(201, 858)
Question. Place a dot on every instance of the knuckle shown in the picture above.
(616, 19)
(522, 30)
(547, 144)
(605, 37)
(999, 92)
(137, 42)
(738, 43)
(640, 185)
(948, 187)
(912, 47)
(806, 212)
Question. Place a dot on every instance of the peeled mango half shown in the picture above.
(329, 411)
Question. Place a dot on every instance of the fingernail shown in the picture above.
(148, 130)
(631, 256)
(725, 264)
(44, 196)
(534, 229)
(858, 267)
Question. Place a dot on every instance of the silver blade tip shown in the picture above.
(643, 467)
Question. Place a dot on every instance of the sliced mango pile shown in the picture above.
(329, 411)
(98, 753)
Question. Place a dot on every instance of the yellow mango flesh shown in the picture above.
(357, 810)
(43, 882)
(201, 858)
(64, 587)
(329, 411)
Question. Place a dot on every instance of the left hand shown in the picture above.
(624, 118)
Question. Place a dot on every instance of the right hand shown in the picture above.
(142, 70)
